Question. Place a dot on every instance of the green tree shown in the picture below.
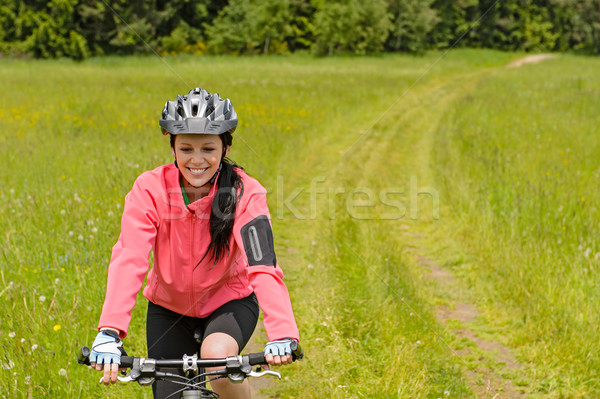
(586, 25)
(42, 29)
(537, 31)
(514, 25)
(412, 22)
(302, 28)
(351, 26)
(455, 19)
(251, 26)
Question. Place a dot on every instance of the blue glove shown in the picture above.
(281, 347)
(107, 348)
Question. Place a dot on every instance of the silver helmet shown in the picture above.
(198, 112)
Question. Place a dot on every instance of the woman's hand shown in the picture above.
(279, 352)
(106, 353)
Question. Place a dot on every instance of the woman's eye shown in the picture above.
(209, 149)
(185, 149)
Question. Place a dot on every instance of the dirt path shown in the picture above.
(494, 359)
(531, 59)
(490, 367)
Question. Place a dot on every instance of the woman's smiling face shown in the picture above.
(198, 156)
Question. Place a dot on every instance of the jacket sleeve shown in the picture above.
(253, 234)
(129, 262)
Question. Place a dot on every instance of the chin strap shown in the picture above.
(212, 179)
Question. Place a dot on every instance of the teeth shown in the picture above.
(198, 171)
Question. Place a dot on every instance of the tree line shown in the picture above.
(82, 28)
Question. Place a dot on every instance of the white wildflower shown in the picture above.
(28, 380)
(62, 372)
(57, 281)
(42, 298)
(62, 212)
(71, 234)
(34, 347)
(80, 237)
(7, 365)
(12, 334)
(95, 230)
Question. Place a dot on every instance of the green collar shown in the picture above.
(183, 193)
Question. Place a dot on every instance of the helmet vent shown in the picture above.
(194, 110)
(209, 110)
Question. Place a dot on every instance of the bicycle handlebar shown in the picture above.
(252, 359)
(236, 368)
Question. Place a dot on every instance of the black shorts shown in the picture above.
(170, 335)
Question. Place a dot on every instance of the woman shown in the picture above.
(208, 225)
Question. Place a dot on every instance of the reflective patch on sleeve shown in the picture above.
(258, 242)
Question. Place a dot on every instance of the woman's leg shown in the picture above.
(218, 345)
(226, 333)
(169, 336)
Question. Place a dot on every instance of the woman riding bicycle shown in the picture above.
(208, 226)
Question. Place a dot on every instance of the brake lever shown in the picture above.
(254, 373)
(126, 378)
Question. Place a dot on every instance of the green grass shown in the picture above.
(326, 137)
(518, 159)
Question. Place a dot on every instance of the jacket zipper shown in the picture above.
(192, 265)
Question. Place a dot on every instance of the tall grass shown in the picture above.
(519, 160)
(513, 153)
(73, 139)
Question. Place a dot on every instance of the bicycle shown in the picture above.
(236, 368)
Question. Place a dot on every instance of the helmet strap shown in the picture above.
(212, 179)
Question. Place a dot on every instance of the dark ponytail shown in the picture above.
(222, 211)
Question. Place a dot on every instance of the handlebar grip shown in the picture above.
(297, 352)
(84, 356)
(127, 361)
(256, 358)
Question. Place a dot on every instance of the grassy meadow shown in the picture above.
(371, 164)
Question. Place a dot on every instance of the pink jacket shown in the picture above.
(156, 218)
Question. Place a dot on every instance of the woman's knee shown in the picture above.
(219, 345)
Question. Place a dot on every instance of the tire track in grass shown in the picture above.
(495, 359)
(490, 366)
